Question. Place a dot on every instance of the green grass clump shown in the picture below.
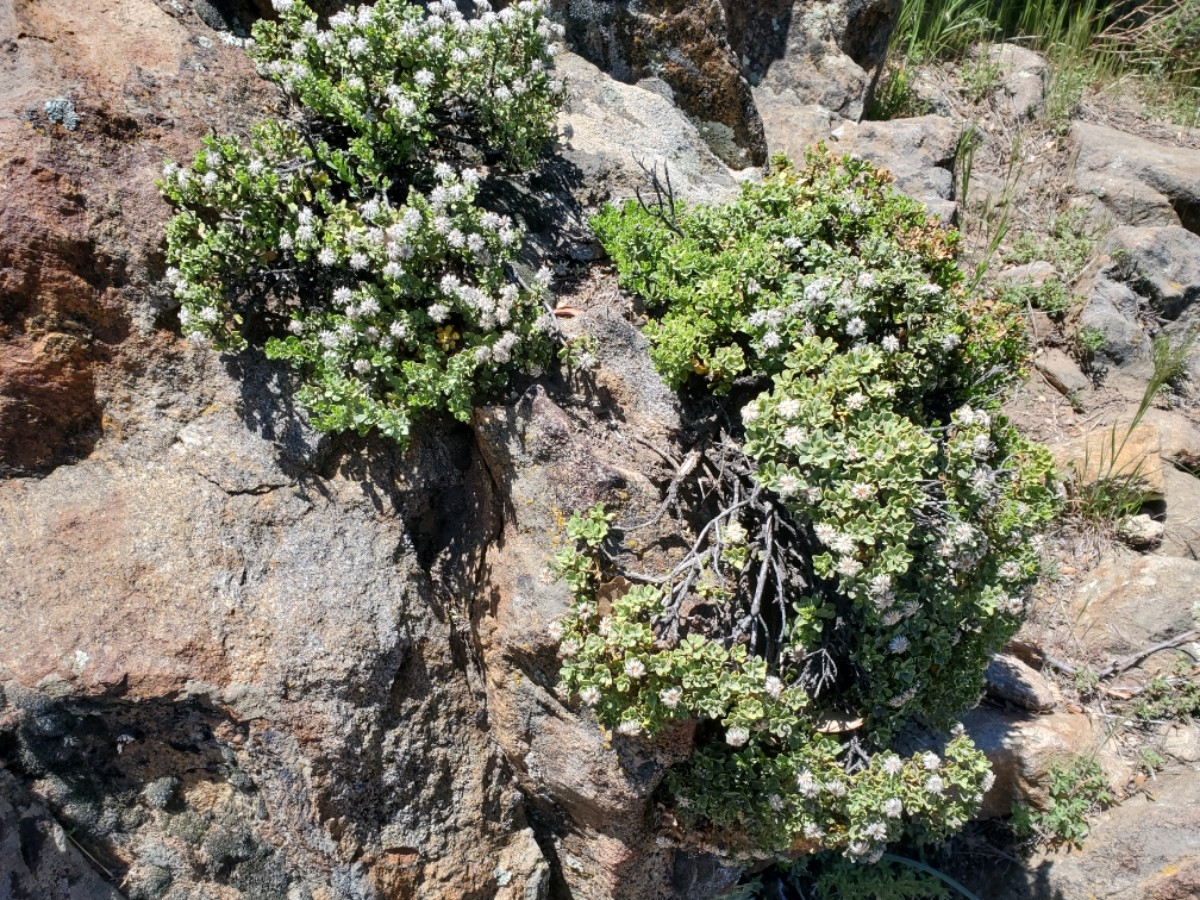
(1104, 489)
(1156, 45)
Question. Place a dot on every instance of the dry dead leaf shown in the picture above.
(839, 724)
(610, 591)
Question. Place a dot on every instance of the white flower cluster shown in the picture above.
(381, 284)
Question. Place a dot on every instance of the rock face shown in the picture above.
(918, 152)
(36, 853)
(1130, 604)
(549, 457)
(769, 76)
(1144, 849)
(1140, 182)
(1022, 748)
(806, 53)
(263, 612)
(1062, 372)
(612, 130)
(66, 273)
(1181, 532)
(1148, 282)
(746, 73)
(814, 67)
(1128, 459)
(1024, 78)
(686, 46)
(1011, 679)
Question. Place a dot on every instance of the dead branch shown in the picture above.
(685, 469)
(1128, 662)
(663, 208)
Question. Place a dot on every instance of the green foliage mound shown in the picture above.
(349, 233)
(882, 545)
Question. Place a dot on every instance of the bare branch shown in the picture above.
(663, 207)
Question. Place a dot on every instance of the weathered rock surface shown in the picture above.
(200, 580)
(811, 64)
(81, 219)
(1139, 181)
(918, 152)
(1130, 603)
(612, 129)
(1022, 748)
(1128, 459)
(1062, 372)
(37, 855)
(550, 457)
(1181, 531)
(220, 569)
(1143, 849)
(1024, 76)
(686, 45)
(1029, 273)
(1142, 532)
(776, 39)
(1163, 266)
(1112, 309)
(1179, 435)
(1148, 282)
(818, 57)
(1011, 679)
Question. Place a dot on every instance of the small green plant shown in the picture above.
(1168, 699)
(1077, 789)
(1049, 296)
(1170, 101)
(980, 78)
(1088, 342)
(1169, 358)
(1086, 680)
(348, 238)
(986, 232)
(896, 96)
(1068, 81)
(578, 353)
(591, 528)
(1070, 245)
(1151, 761)
(1103, 489)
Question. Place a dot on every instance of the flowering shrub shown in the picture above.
(350, 233)
(907, 507)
